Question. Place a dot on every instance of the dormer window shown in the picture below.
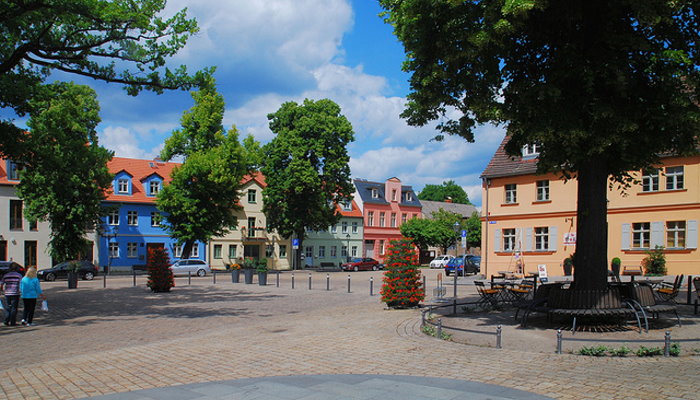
(375, 193)
(531, 150)
(154, 187)
(347, 206)
(123, 186)
(13, 171)
(393, 194)
(409, 197)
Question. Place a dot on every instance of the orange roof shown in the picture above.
(255, 176)
(139, 170)
(3, 174)
(354, 213)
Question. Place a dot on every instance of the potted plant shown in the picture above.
(615, 266)
(235, 272)
(73, 268)
(655, 262)
(568, 265)
(249, 265)
(262, 272)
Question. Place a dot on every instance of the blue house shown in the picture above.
(133, 223)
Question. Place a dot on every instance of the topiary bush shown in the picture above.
(401, 286)
(160, 276)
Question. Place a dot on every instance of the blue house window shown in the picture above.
(123, 186)
(13, 171)
(122, 183)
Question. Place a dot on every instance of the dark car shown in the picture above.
(473, 265)
(87, 270)
(358, 264)
(5, 267)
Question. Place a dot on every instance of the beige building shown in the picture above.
(251, 239)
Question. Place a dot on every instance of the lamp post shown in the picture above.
(347, 236)
(456, 271)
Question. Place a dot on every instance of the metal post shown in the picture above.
(328, 282)
(104, 280)
(558, 341)
(439, 329)
(425, 285)
(189, 277)
(667, 344)
(348, 283)
(309, 280)
(690, 282)
(371, 286)
(499, 332)
(422, 318)
(214, 275)
(134, 273)
(278, 279)
(292, 280)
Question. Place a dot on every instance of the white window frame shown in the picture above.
(334, 251)
(344, 227)
(393, 220)
(283, 251)
(542, 238)
(218, 251)
(381, 247)
(674, 178)
(122, 185)
(113, 217)
(531, 150)
(344, 251)
(511, 193)
(269, 250)
(132, 218)
(252, 196)
(321, 251)
(543, 190)
(156, 218)
(309, 251)
(334, 229)
(409, 197)
(113, 250)
(354, 251)
(382, 217)
(641, 235)
(650, 180)
(509, 238)
(375, 193)
(154, 187)
(132, 250)
(370, 218)
(232, 254)
(354, 227)
(676, 235)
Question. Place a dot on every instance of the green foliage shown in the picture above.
(621, 352)
(160, 276)
(120, 41)
(65, 170)
(432, 331)
(474, 230)
(615, 261)
(593, 84)
(595, 351)
(306, 167)
(448, 190)
(649, 351)
(428, 232)
(402, 286)
(201, 198)
(675, 350)
(655, 262)
(261, 265)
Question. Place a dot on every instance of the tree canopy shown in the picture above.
(306, 167)
(65, 175)
(122, 41)
(201, 198)
(602, 88)
(449, 190)
(425, 232)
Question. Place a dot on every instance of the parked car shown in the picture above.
(196, 267)
(440, 261)
(358, 264)
(5, 267)
(87, 270)
(473, 264)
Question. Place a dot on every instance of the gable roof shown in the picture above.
(139, 171)
(429, 207)
(355, 212)
(502, 164)
(364, 189)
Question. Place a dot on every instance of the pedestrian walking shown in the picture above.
(10, 286)
(30, 289)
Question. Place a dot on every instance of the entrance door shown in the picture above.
(369, 248)
(251, 251)
(3, 250)
(30, 253)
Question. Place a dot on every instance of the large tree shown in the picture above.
(306, 167)
(425, 232)
(601, 87)
(202, 197)
(65, 175)
(123, 41)
(449, 190)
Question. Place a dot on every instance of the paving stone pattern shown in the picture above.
(96, 341)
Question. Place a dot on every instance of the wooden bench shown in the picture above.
(632, 270)
(571, 303)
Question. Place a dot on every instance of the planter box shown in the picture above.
(262, 278)
(248, 275)
(236, 275)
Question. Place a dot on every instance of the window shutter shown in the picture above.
(519, 239)
(497, 240)
(626, 236)
(528, 239)
(657, 234)
(691, 241)
(552, 238)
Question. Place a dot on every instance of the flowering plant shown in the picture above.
(401, 286)
(160, 276)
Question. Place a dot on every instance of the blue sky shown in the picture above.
(272, 51)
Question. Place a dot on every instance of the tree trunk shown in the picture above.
(590, 259)
(187, 250)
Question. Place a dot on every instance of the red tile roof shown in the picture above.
(502, 164)
(139, 170)
(3, 174)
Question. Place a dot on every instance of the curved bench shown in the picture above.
(572, 303)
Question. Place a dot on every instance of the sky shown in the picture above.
(272, 51)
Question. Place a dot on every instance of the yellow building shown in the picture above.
(530, 220)
(251, 239)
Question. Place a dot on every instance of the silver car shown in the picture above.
(196, 267)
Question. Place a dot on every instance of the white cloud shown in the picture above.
(124, 143)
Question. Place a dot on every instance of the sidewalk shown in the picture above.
(99, 341)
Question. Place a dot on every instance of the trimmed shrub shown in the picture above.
(401, 283)
(160, 276)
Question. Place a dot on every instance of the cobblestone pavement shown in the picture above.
(97, 341)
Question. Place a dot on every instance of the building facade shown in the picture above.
(132, 225)
(530, 220)
(340, 242)
(252, 238)
(20, 240)
(385, 206)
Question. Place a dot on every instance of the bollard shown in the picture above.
(499, 332)
(189, 277)
(558, 341)
(425, 285)
(214, 276)
(422, 318)
(292, 280)
(104, 280)
(348, 283)
(667, 344)
(371, 286)
(278, 279)
(134, 272)
(439, 329)
(309, 280)
(690, 289)
(328, 282)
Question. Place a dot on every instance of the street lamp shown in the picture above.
(347, 254)
(456, 227)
